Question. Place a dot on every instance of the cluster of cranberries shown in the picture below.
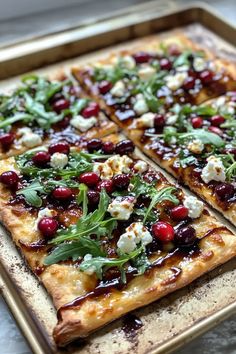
(215, 122)
(183, 236)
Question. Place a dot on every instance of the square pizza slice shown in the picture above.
(141, 84)
(197, 144)
(41, 110)
(105, 233)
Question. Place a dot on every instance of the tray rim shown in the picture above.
(188, 334)
(14, 55)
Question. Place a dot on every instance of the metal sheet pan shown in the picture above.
(176, 319)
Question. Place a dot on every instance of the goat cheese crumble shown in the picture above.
(122, 208)
(214, 170)
(194, 206)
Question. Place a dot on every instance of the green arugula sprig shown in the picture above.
(92, 223)
(206, 137)
(74, 250)
(140, 187)
(30, 103)
(102, 264)
(229, 163)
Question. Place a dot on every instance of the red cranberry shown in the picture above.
(41, 158)
(224, 191)
(206, 76)
(94, 145)
(163, 231)
(63, 147)
(217, 120)
(124, 147)
(189, 83)
(60, 105)
(178, 213)
(48, 226)
(107, 184)
(63, 123)
(108, 147)
(165, 64)
(93, 197)
(7, 139)
(89, 178)
(91, 111)
(62, 193)
(9, 178)
(174, 50)
(185, 236)
(159, 121)
(142, 57)
(104, 87)
(215, 130)
(58, 96)
(197, 122)
(121, 181)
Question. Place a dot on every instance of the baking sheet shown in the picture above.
(167, 323)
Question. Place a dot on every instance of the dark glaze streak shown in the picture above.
(131, 324)
(104, 288)
(216, 229)
(34, 246)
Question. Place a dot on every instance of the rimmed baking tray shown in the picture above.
(176, 319)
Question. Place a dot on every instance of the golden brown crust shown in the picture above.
(65, 282)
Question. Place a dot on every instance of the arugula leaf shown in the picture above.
(82, 198)
(41, 116)
(160, 196)
(74, 250)
(31, 193)
(229, 163)
(141, 263)
(205, 136)
(89, 224)
(101, 264)
(229, 124)
(77, 106)
(187, 161)
(139, 186)
(25, 117)
(151, 217)
(113, 74)
(183, 59)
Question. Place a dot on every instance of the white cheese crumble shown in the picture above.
(199, 64)
(42, 214)
(182, 68)
(214, 170)
(58, 160)
(140, 106)
(121, 209)
(92, 269)
(146, 73)
(83, 124)
(134, 234)
(29, 139)
(145, 121)
(196, 146)
(118, 90)
(115, 165)
(174, 82)
(194, 206)
(141, 166)
(128, 62)
(171, 119)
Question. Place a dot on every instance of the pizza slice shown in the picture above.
(41, 110)
(143, 83)
(198, 146)
(105, 232)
